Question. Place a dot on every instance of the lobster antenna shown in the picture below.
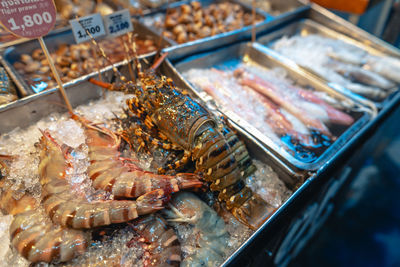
(96, 59)
(103, 54)
(135, 56)
(128, 55)
(130, 40)
(155, 65)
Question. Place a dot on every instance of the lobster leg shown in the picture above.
(139, 131)
(131, 137)
(177, 164)
(154, 141)
(136, 108)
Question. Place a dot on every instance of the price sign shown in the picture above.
(118, 23)
(28, 18)
(85, 27)
(32, 19)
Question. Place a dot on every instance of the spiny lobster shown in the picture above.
(168, 117)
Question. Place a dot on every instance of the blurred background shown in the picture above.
(379, 17)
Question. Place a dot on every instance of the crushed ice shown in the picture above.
(112, 250)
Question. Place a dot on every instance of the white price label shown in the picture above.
(118, 23)
(92, 24)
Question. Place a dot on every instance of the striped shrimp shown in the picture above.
(77, 212)
(33, 235)
(108, 171)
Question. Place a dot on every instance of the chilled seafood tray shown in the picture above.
(69, 9)
(19, 136)
(226, 77)
(202, 21)
(339, 60)
(68, 182)
(26, 61)
(276, 7)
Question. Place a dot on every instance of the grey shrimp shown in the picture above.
(209, 228)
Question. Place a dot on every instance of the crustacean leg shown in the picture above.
(111, 174)
(162, 245)
(77, 212)
(177, 164)
(139, 109)
(144, 127)
(154, 141)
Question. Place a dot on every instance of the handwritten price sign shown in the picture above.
(118, 23)
(86, 26)
(28, 18)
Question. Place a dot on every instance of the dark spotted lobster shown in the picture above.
(168, 117)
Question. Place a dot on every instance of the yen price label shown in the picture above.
(118, 23)
(28, 18)
(85, 27)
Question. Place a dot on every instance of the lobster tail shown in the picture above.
(224, 160)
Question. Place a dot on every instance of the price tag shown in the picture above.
(92, 24)
(118, 23)
(28, 18)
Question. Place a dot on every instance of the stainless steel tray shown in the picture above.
(33, 108)
(237, 52)
(11, 41)
(219, 39)
(276, 7)
(53, 41)
(161, 8)
(306, 27)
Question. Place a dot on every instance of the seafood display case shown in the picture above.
(290, 146)
(31, 109)
(315, 183)
(33, 75)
